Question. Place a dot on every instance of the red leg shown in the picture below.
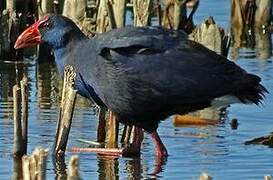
(160, 150)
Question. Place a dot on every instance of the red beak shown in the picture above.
(31, 36)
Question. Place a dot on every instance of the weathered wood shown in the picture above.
(111, 131)
(210, 35)
(73, 168)
(4, 33)
(158, 12)
(18, 142)
(142, 12)
(34, 166)
(237, 15)
(45, 7)
(66, 111)
(175, 14)
(103, 23)
(10, 5)
(101, 131)
(75, 10)
(126, 135)
(119, 12)
(24, 114)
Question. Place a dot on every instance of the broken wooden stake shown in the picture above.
(142, 12)
(66, 111)
(34, 166)
(20, 116)
(112, 125)
(101, 125)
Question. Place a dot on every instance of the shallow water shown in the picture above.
(218, 149)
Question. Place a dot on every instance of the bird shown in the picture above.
(144, 74)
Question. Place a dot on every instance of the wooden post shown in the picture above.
(267, 177)
(18, 142)
(66, 111)
(75, 10)
(24, 114)
(111, 131)
(119, 12)
(210, 35)
(20, 115)
(34, 166)
(126, 135)
(101, 131)
(175, 14)
(44, 7)
(103, 23)
(10, 5)
(142, 11)
(73, 168)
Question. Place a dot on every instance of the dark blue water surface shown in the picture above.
(218, 149)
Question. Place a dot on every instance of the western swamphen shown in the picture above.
(144, 74)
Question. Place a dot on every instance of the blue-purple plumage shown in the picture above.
(145, 74)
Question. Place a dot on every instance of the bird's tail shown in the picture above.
(254, 92)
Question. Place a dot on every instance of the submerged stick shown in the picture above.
(66, 111)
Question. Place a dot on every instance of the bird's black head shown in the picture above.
(55, 30)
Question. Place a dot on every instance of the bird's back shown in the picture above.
(147, 74)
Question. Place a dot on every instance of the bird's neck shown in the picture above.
(62, 53)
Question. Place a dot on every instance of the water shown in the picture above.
(218, 149)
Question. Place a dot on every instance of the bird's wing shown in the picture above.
(156, 38)
(187, 73)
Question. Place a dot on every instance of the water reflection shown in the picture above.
(10, 74)
(259, 39)
(59, 168)
(48, 84)
(17, 169)
(108, 168)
